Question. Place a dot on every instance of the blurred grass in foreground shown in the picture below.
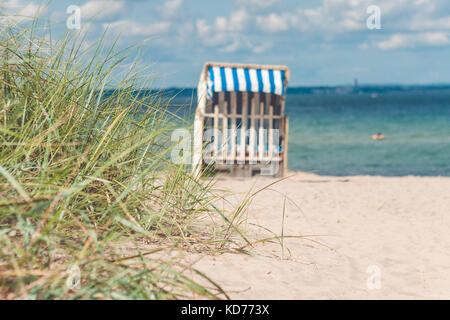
(81, 172)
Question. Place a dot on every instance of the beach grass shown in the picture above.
(83, 173)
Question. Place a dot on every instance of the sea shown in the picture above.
(331, 128)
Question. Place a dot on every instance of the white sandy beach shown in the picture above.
(399, 226)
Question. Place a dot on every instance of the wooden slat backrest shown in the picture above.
(261, 141)
(216, 131)
(233, 104)
(243, 137)
(253, 138)
(224, 106)
(270, 128)
(236, 115)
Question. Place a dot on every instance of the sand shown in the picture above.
(380, 237)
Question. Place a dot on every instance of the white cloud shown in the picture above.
(170, 8)
(273, 22)
(102, 9)
(237, 21)
(340, 16)
(397, 41)
(203, 28)
(17, 12)
(229, 34)
(234, 46)
(185, 32)
(430, 24)
(224, 32)
(332, 16)
(263, 47)
(30, 10)
(173, 5)
(241, 42)
(132, 28)
(168, 12)
(256, 4)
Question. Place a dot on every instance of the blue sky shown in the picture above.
(324, 42)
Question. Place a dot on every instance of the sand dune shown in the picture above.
(381, 237)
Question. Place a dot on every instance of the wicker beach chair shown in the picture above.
(240, 124)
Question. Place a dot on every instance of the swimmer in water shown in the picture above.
(378, 136)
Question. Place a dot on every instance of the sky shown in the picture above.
(323, 42)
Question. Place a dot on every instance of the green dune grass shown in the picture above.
(81, 172)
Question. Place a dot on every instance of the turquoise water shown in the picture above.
(331, 134)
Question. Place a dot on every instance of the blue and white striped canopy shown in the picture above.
(220, 79)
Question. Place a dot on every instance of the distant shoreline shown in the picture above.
(326, 90)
